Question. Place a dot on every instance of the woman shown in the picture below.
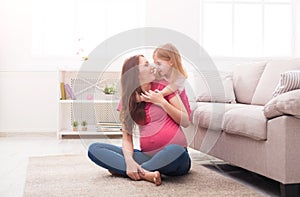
(163, 143)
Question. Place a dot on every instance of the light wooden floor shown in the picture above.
(15, 149)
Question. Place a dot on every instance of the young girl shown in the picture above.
(169, 67)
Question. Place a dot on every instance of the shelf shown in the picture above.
(88, 133)
(91, 104)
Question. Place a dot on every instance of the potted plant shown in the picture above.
(84, 125)
(75, 125)
(109, 89)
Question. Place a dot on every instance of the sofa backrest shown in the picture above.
(245, 79)
(270, 78)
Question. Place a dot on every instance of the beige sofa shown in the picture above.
(254, 130)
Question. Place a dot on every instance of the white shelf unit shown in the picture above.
(91, 104)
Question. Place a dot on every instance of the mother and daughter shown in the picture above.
(159, 108)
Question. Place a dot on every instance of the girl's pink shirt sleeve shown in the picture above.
(161, 84)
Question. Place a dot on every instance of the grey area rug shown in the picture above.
(76, 175)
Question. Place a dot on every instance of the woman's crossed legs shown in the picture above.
(172, 160)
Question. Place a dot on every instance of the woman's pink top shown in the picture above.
(160, 129)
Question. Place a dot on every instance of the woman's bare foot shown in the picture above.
(157, 178)
(153, 177)
(114, 173)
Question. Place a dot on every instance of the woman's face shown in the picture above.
(163, 66)
(146, 72)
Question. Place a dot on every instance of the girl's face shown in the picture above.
(163, 66)
(146, 72)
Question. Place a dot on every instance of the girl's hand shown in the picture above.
(154, 97)
(139, 98)
(134, 170)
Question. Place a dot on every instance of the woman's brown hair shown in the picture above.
(132, 111)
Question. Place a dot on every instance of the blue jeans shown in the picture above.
(173, 160)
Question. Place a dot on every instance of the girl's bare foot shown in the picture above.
(153, 177)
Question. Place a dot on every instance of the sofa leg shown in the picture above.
(289, 190)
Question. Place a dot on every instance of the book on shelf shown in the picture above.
(69, 92)
(62, 91)
(109, 126)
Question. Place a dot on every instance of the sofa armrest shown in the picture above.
(285, 104)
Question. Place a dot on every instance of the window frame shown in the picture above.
(257, 2)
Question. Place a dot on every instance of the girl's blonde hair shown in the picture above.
(169, 52)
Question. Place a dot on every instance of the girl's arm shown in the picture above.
(133, 169)
(169, 89)
(175, 107)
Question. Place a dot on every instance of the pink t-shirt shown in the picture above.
(160, 129)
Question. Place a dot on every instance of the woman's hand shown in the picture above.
(134, 170)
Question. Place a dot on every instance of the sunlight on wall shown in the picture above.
(77, 27)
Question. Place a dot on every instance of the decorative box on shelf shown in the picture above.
(109, 126)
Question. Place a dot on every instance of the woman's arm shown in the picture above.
(133, 169)
(175, 107)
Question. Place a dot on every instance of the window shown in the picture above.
(69, 28)
(247, 28)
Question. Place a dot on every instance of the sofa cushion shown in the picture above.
(210, 115)
(286, 103)
(270, 77)
(212, 86)
(245, 80)
(288, 81)
(250, 122)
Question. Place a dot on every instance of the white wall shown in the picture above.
(179, 15)
(28, 101)
(15, 34)
(297, 27)
(16, 39)
(29, 97)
